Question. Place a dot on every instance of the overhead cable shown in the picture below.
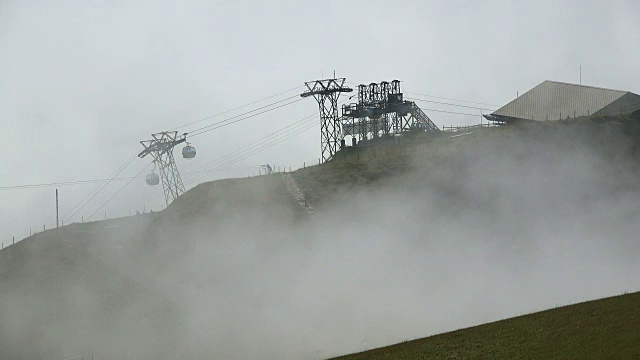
(117, 192)
(451, 104)
(256, 142)
(99, 189)
(265, 146)
(227, 122)
(239, 107)
(56, 184)
(452, 99)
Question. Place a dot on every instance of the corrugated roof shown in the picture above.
(552, 100)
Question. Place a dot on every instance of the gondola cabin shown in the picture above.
(153, 178)
(188, 152)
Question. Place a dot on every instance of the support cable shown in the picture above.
(433, 96)
(304, 121)
(444, 103)
(64, 183)
(268, 145)
(227, 122)
(452, 99)
(254, 143)
(450, 112)
(81, 182)
(117, 192)
(239, 107)
(242, 150)
(99, 189)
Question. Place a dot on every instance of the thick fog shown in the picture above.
(484, 228)
(502, 226)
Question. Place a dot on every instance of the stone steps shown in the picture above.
(296, 194)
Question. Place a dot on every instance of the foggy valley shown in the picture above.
(297, 180)
(236, 269)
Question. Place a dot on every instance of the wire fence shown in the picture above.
(275, 168)
(81, 357)
(241, 171)
(469, 127)
(367, 152)
(6, 244)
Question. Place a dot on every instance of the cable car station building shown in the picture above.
(552, 100)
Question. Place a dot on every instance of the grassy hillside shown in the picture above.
(431, 157)
(601, 329)
(237, 259)
(117, 287)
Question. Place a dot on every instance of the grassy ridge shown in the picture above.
(127, 266)
(600, 329)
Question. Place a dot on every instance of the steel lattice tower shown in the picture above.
(161, 148)
(326, 92)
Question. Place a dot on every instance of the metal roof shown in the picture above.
(552, 100)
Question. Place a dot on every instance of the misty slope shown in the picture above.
(409, 239)
(611, 144)
(102, 287)
(600, 329)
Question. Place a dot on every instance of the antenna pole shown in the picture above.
(57, 217)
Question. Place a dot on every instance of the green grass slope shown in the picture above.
(600, 329)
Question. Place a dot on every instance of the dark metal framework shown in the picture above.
(381, 110)
(499, 120)
(326, 93)
(161, 148)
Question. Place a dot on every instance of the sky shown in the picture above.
(81, 83)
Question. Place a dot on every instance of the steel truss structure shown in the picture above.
(381, 110)
(326, 92)
(161, 148)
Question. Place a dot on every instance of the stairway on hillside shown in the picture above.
(296, 194)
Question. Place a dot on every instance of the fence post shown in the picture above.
(14, 240)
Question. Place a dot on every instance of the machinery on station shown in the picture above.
(160, 147)
(381, 110)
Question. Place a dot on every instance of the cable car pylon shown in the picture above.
(161, 148)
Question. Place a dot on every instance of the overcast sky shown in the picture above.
(82, 82)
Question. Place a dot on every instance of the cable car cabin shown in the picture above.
(188, 152)
(153, 179)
